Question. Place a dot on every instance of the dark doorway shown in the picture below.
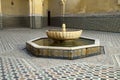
(49, 15)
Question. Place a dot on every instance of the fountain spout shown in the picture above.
(64, 27)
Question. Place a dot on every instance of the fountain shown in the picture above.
(63, 35)
(64, 43)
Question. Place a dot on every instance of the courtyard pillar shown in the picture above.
(0, 16)
(118, 2)
(35, 13)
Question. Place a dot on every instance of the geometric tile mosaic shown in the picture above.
(84, 71)
(18, 69)
(23, 69)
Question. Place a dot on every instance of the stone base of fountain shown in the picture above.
(82, 47)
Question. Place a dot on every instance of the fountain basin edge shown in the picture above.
(64, 52)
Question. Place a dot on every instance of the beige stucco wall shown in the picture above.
(40, 7)
(0, 7)
(91, 6)
(45, 7)
(84, 6)
(36, 7)
(19, 7)
(24, 7)
(55, 7)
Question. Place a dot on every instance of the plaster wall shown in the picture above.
(91, 6)
(0, 16)
(34, 12)
(0, 8)
(15, 7)
(103, 15)
(45, 7)
(37, 7)
(55, 7)
(15, 13)
(45, 13)
(84, 6)
(23, 13)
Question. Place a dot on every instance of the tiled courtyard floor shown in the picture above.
(17, 64)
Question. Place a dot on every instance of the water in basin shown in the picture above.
(67, 43)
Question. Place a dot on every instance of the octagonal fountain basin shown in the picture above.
(70, 49)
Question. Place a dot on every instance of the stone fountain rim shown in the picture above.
(97, 43)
